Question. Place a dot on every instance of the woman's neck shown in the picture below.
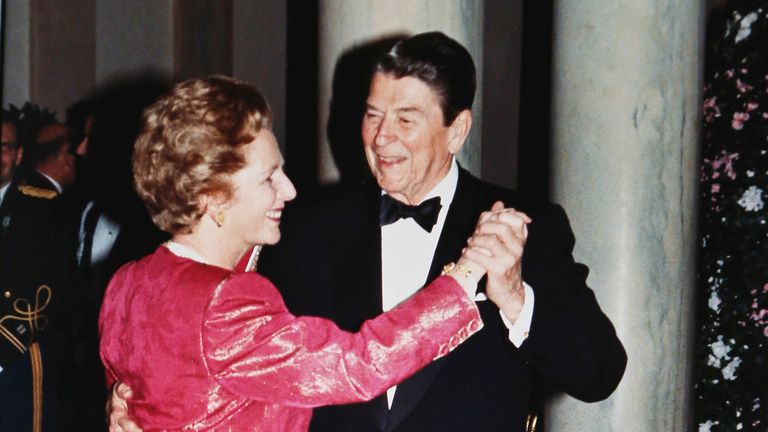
(215, 250)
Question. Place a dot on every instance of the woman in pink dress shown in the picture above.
(204, 342)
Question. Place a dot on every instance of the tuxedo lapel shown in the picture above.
(356, 262)
(459, 224)
(359, 293)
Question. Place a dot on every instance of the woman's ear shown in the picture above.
(207, 204)
(459, 130)
(213, 206)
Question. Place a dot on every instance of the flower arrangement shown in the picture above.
(731, 371)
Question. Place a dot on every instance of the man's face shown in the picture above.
(11, 155)
(62, 165)
(66, 160)
(407, 145)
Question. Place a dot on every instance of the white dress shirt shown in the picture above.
(3, 191)
(406, 256)
(104, 236)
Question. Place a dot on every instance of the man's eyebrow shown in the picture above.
(400, 110)
(409, 109)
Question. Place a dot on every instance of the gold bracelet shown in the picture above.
(459, 269)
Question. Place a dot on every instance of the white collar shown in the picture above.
(55, 184)
(446, 188)
(3, 190)
(180, 250)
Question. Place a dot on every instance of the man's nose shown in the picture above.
(385, 134)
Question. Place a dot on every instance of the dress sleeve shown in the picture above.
(257, 349)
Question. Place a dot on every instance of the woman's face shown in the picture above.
(260, 191)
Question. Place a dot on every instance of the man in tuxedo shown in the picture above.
(347, 256)
(110, 227)
(353, 251)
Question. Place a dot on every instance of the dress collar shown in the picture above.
(182, 251)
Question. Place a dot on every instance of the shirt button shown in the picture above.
(7, 294)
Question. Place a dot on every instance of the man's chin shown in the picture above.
(389, 184)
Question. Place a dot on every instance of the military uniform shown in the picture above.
(37, 180)
(33, 272)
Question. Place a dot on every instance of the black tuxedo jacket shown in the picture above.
(329, 264)
(82, 391)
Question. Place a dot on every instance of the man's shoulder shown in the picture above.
(482, 194)
(29, 200)
(35, 180)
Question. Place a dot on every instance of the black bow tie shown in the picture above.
(425, 214)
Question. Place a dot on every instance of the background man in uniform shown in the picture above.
(33, 269)
(51, 159)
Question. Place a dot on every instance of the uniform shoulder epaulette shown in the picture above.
(37, 192)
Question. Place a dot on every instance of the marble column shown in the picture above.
(626, 104)
(348, 24)
(16, 64)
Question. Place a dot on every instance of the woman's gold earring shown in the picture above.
(219, 219)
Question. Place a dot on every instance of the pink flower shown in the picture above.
(743, 71)
(729, 73)
(751, 106)
(725, 161)
(742, 86)
(765, 115)
(765, 331)
(765, 288)
(711, 110)
(738, 120)
(715, 188)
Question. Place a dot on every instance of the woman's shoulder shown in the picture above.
(162, 272)
(249, 287)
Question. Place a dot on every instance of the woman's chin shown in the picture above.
(269, 239)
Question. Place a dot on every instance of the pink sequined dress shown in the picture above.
(209, 349)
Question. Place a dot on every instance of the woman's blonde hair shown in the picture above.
(191, 142)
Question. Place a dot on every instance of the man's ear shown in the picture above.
(19, 155)
(458, 131)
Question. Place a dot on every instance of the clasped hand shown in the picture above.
(496, 247)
